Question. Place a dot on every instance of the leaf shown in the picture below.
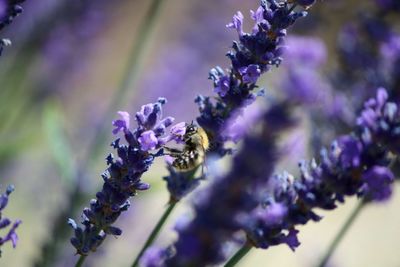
(59, 144)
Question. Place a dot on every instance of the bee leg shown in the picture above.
(172, 152)
(203, 170)
(204, 166)
(171, 155)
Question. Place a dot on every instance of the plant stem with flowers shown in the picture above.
(266, 207)
(75, 197)
(253, 55)
(122, 179)
(11, 236)
(8, 11)
(356, 164)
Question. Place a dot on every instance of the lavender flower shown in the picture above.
(11, 236)
(218, 213)
(252, 56)
(122, 178)
(356, 164)
(9, 9)
(364, 45)
(180, 184)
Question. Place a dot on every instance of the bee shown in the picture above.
(194, 151)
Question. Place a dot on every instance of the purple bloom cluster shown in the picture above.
(122, 177)
(253, 55)
(356, 164)
(180, 184)
(201, 241)
(368, 54)
(268, 208)
(11, 236)
(9, 9)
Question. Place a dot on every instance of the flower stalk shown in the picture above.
(122, 178)
(341, 234)
(239, 255)
(80, 261)
(154, 233)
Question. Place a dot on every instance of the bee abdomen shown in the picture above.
(188, 160)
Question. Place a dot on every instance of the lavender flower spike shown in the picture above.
(122, 177)
(236, 88)
(254, 54)
(218, 215)
(4, 222)
(9, 9)
(356, 164)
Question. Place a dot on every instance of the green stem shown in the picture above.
(130, 75)
(239, 255)
(155, 232)
(80, 261)
(342, 232)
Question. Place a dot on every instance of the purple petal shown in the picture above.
(222, 87)
(350, 151)
(381, 97)
(273, 214)
(251, 73)
(179, 129)
(122, 124)
(237, 23)
(291, 239)
(378, 181)
(148, 140)
(258, 17)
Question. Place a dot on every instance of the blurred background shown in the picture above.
(74, 64)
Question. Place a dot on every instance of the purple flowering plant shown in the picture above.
(353, 110)
(250, 198)
(236, 87)
(122, 179)
(9, 9)
(11, 235)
